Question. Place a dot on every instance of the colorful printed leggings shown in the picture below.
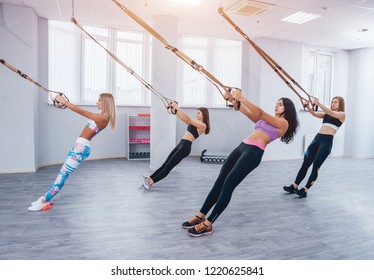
(237, 166)
(317, 152)
(78, 153)
(182, 150)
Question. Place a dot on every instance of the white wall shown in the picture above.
(42, 79)
(163, 125)
(18, 97)
(340, 88)
(360, 115)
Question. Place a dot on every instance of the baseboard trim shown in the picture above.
(8, 171)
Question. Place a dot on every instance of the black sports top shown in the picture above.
(193, 130)
(331, 121)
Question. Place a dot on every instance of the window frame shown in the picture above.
(108, 85)
(145, 65)
(313, 84)
(210, 92)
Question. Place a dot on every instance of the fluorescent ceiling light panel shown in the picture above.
(301, 17)
(189, 2)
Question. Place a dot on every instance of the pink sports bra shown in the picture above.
(268, 129)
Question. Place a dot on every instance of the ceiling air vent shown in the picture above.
(249, 8)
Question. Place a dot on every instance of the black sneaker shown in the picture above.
(301, 193)
(200, 229)
(195, 220)
(289, 189)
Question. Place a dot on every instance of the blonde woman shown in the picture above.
(321, 146)
(81, 150)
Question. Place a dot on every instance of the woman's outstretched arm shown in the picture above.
(186, 118)
(327, 110)
(255, 113)
(90, 115)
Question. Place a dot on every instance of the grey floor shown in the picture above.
(104, 213)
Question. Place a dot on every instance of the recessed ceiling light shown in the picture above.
(190, 2)
(301, 17)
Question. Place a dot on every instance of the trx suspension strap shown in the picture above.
(306, 102)
(166, 101)
(221, 88)
(52, 94)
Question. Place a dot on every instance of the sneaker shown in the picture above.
(289, 189)
(36, 201)
(195, 220)
(301, 193)
(145, 182)
(39, 205)
(200, 229)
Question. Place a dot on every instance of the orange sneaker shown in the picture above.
(195, 220)
(200, 229)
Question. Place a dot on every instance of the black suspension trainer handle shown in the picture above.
(237, 103)
(313, 108)
(170, 109)
(49, 92)
(58, 104)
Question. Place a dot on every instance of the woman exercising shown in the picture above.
(194, 129)
(81, 149)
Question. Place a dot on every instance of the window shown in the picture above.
(130, 49)
(81, 69)
(194, 86)
(320, 75)
(221, 58)
(95, 64)
(64, 64)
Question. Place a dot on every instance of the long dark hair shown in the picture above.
(205, 113)
(291, 117)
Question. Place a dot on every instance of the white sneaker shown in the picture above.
(36, 201)
(39, 205)
(145, 182)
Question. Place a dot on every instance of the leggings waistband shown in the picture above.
(326, 136)
(186, 141)
(254, 143)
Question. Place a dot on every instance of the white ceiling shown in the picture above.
(337, 28)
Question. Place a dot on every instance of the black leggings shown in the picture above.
(317, 152)
(182, 150)
(237, 166)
